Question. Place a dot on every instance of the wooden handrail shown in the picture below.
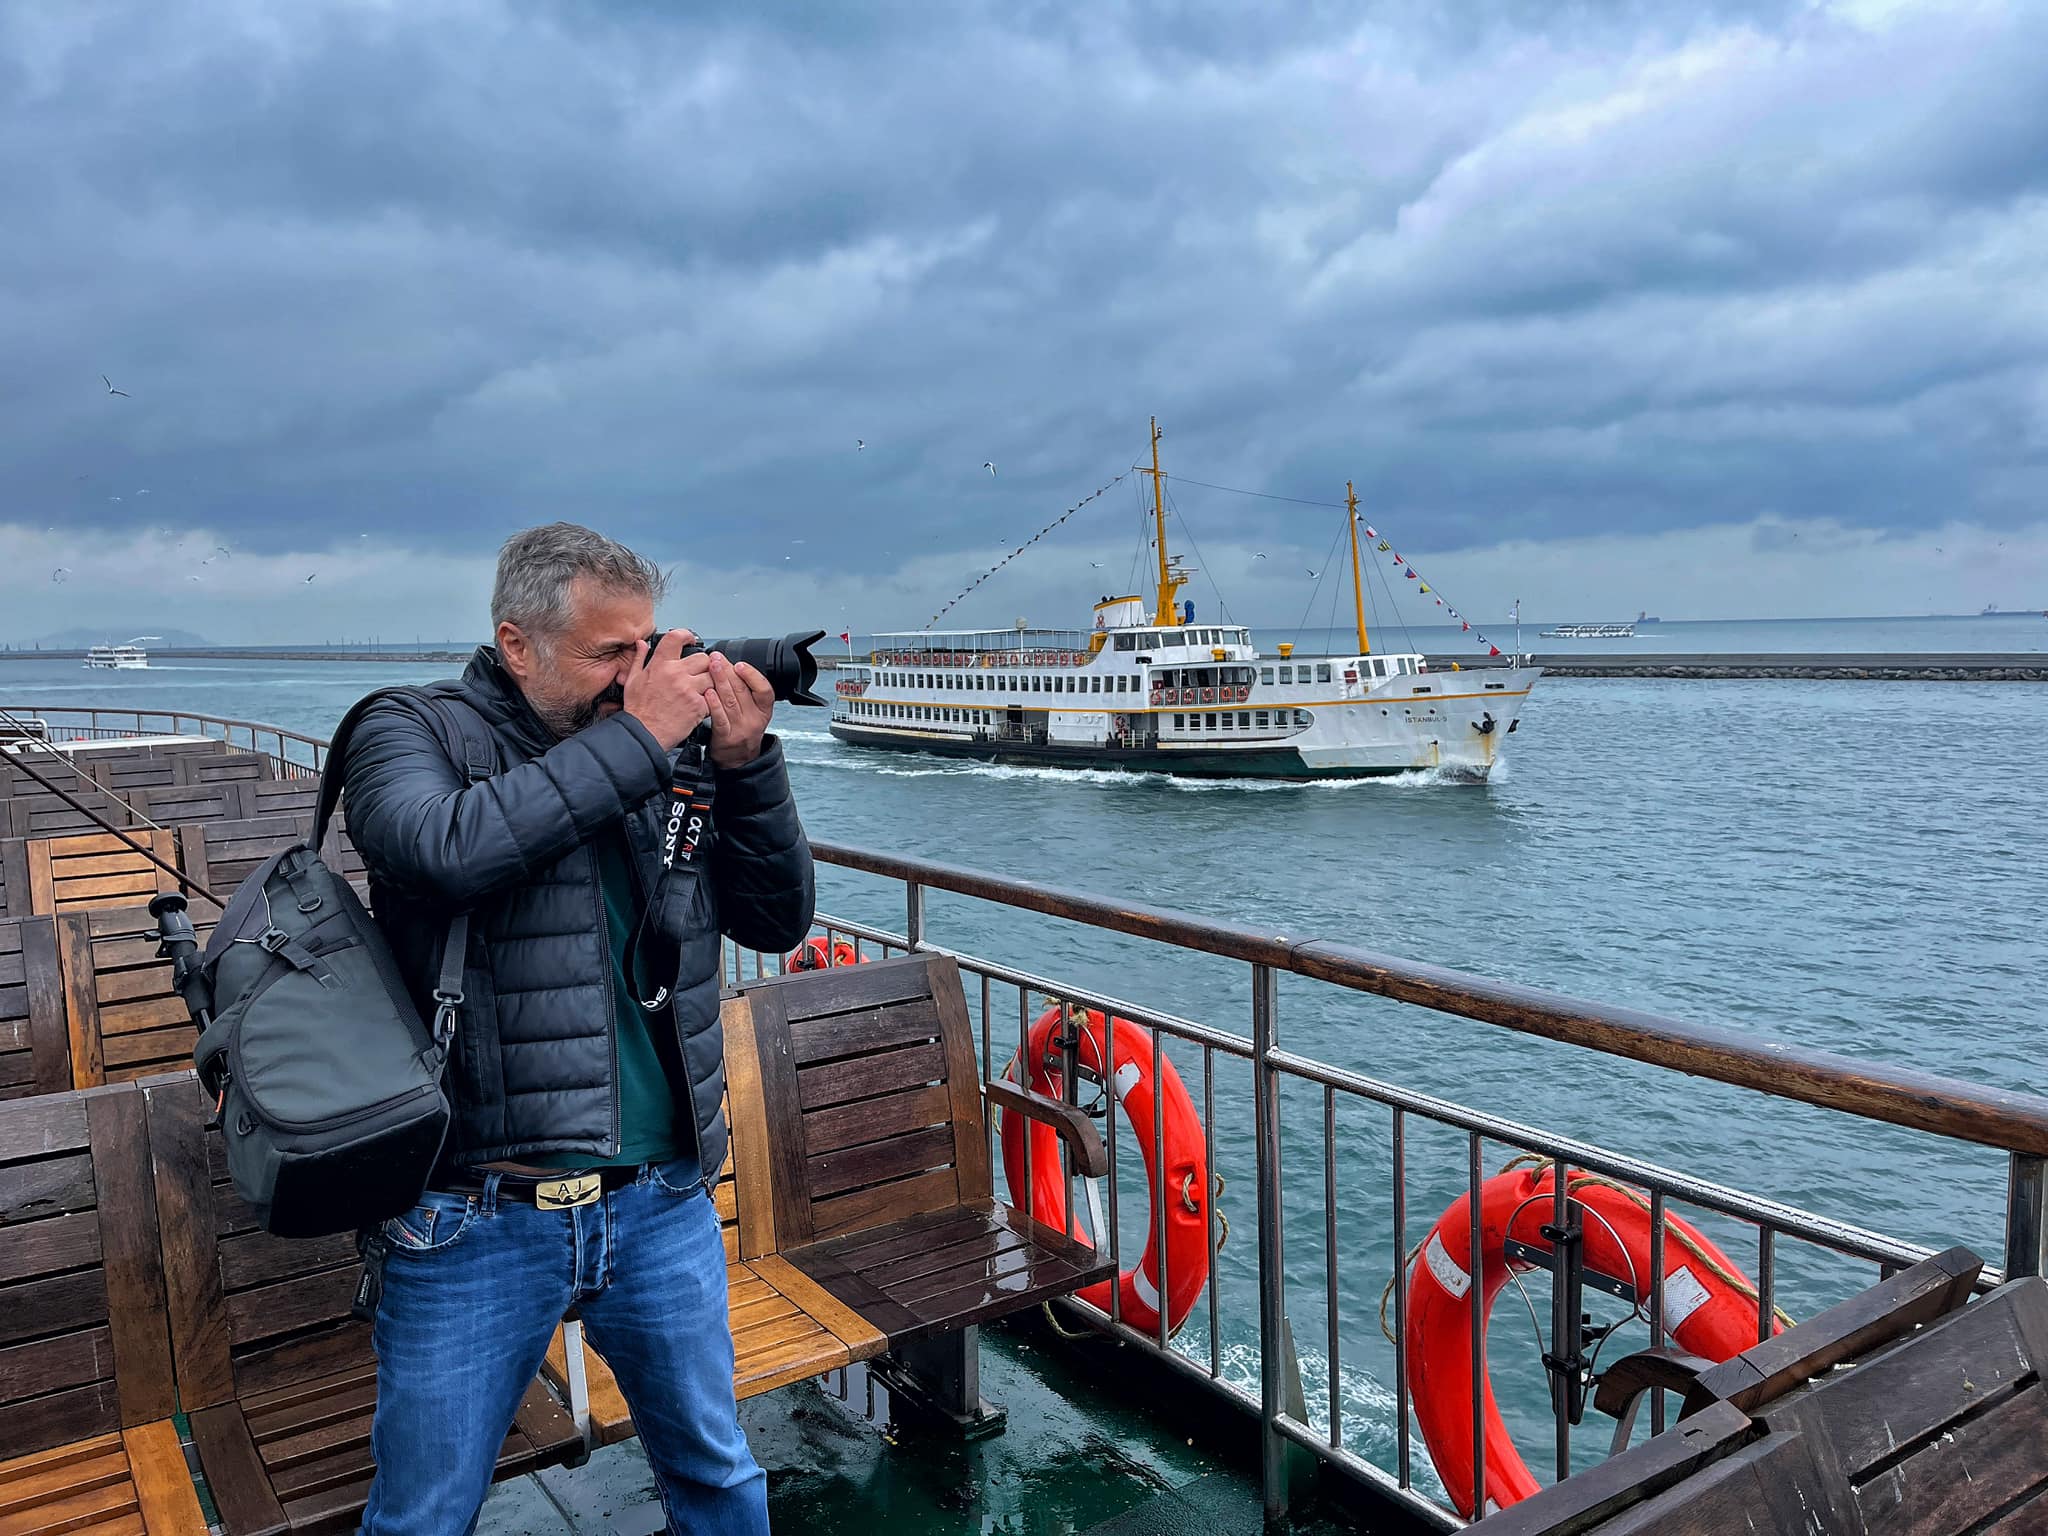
(1921, 1101)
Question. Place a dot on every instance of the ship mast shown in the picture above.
(1163, 611)
(1357, 584)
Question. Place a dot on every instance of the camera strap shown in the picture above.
(685, 828)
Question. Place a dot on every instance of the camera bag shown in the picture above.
(326, 1081)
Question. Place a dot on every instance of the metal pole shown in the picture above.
(1564, 1322)
(913, 920)
(1272, 1277)
(2026, 1215)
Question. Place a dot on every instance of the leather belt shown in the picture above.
(550, 1192)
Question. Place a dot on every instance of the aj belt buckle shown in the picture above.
(562, 1194)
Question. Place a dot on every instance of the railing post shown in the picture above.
(913, 916)
(1274, 1460)
(2026, 1215)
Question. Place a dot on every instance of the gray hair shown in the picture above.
(536, 566)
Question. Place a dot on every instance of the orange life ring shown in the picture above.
(1704, 1313)
(1122, 722)
(814, 955)
(1243, 693)
(1187, 1173)
(1208, 695)
(1155, 695)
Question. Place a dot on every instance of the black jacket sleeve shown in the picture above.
(760, 859)
(429, 834)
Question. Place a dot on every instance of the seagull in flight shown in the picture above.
(1258, 557)
(60, 573)
(113, 391)
(990, 466)
(1094, 565)
(1311, 573)
(860, 445)
(309, 578)
(142, 493)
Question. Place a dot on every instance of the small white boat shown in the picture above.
(129, 657)
(1591, 632)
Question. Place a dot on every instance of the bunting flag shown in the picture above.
(1493, 650)
(1385, 545)
(1411, 573)
(1424, 588)
(1465, 625)
(1371, 532)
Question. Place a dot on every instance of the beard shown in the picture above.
(565, 717)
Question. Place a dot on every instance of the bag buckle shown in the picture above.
(273, 939)
(444, 1015)
(565, 1194)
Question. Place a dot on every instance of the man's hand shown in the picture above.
(667, 694)
(740, 700)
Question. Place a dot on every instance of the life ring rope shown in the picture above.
(1583, 1180)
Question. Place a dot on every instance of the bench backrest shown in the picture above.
(123, 1019)
(91, 870)
(856, 1099)
(173, 805)
(84, 1339)
(35, 1055)
(279, 797)
(38, 813)
(249, 1312)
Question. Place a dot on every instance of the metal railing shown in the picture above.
(2014, 1123)
(291, 754)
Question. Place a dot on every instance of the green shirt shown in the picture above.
(653, 1096)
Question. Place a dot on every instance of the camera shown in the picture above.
(787, 662)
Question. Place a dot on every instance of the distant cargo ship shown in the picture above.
(1591, 632)
(1996, 612)
(1644, 616)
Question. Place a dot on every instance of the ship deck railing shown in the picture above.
(2016, 1124)
(1855, 1090)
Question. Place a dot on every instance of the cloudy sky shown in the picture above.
(1716, 309)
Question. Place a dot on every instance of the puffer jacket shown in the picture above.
(534, 1069)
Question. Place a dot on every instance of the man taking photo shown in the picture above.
(587, 1126)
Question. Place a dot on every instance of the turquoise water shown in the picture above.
(1848, 865)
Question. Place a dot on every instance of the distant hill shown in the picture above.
(80, 638)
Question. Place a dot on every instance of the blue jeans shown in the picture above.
(473, 1288)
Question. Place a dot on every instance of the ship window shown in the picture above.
(1180, 722)
(1287, 674)
(1229, 722)
(1266, 675)
(1096, 685)
(1379, 668)
(1322, 671)
(1210, 722)
(1124, 642)
(1244, 720)
(1301, 717)
(1263, 720)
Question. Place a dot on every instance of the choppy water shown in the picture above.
(1849, 865)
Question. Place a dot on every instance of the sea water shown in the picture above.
(1842, 865)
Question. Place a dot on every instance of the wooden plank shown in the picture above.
(38, 1307)
(883, 1202)
(143, 1014)
(877, 1245)
(159, 1049)
(610, 1419)
(321, 1353)
(747, 1113)
(14, 873)
(763, 1370)
(877, 1161)
(847, 1034)
(163, 1488)
(234, 1473)
(87, 866)
(81, 1005)
(1916, 1389)
(32, 1190)
(846, 988)
(48, 1024)
(1011, 1272)
(43, 1127)
(105, 890)
(28, 1481)
(783, 1121)
(82, 1509)
(863, 1340)
(1972, 1470)
(45, 1247)
(57, 1417)
(49, 1365)
(963, 1079)
(546, 1426)
(894, 1320)
(42, 895)
(255, 1258)
(132, 1254)
(985, 1243)
(888, 1071)
(192, 1276)
(128, 983)
(269, 1310)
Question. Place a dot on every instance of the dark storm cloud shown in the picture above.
(431, 270)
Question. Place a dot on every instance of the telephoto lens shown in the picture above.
(787, 662)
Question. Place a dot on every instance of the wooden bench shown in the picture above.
(861, 1220)
(1900, 1412)
(38, 813)
(86, 1382)
(122, 1019)
(35, 1052)
(91, 870)
(125, 775)
(279, 1381)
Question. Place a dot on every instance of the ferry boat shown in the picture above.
(129, 657)
(1592, 632)
(1144, 689)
